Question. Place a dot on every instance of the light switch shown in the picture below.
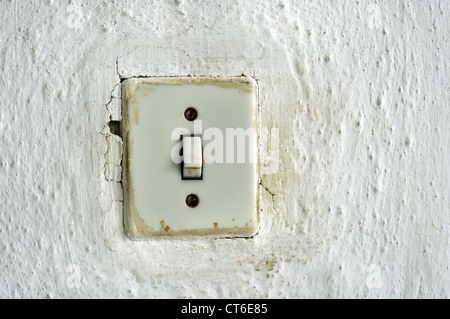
(190, 163)
(192, 157)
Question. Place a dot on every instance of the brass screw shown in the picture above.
(192, 200)
(190, 114)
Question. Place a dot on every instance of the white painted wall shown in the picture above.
(359, 91)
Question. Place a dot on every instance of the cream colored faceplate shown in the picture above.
(154, 191)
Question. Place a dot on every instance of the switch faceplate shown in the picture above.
(218, 196)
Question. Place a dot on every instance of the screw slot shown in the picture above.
(192, 200)
(190, 114)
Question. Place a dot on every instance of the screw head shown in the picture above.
(192, 200)
(190, 114)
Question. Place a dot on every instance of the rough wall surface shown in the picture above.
(359, 90)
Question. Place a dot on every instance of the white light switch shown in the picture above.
(190, 159)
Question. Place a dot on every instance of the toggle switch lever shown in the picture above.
(192, 164)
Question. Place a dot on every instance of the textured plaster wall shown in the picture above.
(358, 89)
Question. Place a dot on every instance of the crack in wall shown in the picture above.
(111, 193)
(272, 195)
(111, 187)
(187, 55)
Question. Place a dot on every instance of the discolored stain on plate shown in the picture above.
(136, 226)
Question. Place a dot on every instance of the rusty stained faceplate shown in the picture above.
(155, 194)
